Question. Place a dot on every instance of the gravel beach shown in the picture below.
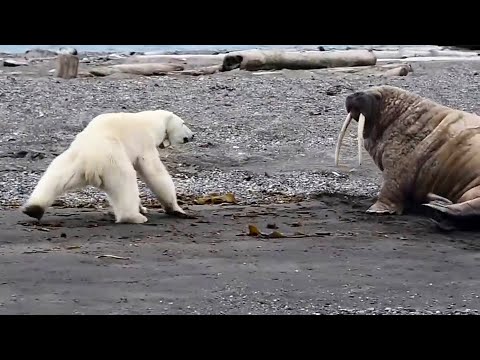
(267, 138)
(257, 135)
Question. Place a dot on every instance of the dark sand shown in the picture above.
(352, 263)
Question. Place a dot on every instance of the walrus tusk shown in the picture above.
(361, 125)
(341, 136)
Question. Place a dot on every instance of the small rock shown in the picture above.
(34, 155)
(20, 154)
(14, 63)
(115, 56)
(68, 50)
(334, 90)
(39, 53)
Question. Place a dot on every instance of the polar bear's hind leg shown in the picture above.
(60, 177)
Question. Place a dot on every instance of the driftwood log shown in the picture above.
(67, 66)
(253, 60)
(410, 53)
(469, 47)
(14, 62)
(147, 69)
(386, 70)
(402, 70)
(208, 70)
(191, 60)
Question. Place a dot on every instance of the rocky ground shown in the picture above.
(269, 139)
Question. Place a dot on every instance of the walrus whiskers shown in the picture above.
(341, 135)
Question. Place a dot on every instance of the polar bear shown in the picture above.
(107, 155)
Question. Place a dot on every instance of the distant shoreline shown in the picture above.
(16, 50)
(38, 62)
(150, 49)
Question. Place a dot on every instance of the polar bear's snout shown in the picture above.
(186, 139)
(188, 134)
(177, 132)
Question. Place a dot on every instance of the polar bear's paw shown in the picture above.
(135, 219)
(143, 210)
(180, 214)
(34, 211)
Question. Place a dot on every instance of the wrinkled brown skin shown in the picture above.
(428, 153)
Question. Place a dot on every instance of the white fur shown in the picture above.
(108, 154)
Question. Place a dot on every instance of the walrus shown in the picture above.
(429, 154)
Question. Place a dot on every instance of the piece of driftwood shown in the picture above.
(39, 53)
(208, 70)
(253, 60)
(14, 62)
(402, 70)
(431, 58)
(470, 47)
(67, 66)
(38, 60)
(413, 52)
(386, 70)
(147, 69)
(191, 60)
(84, 74)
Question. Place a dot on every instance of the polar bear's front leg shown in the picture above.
(159, 181)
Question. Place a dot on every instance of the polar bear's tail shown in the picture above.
(60, 176)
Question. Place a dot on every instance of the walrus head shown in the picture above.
(375, 110)
(364, 107)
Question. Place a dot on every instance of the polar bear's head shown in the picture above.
(177, 132)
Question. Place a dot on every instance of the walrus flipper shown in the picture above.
(380, 208)
(390, 200)
(466, 209)
(434, 198)
(464, 214)
(385, 206)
